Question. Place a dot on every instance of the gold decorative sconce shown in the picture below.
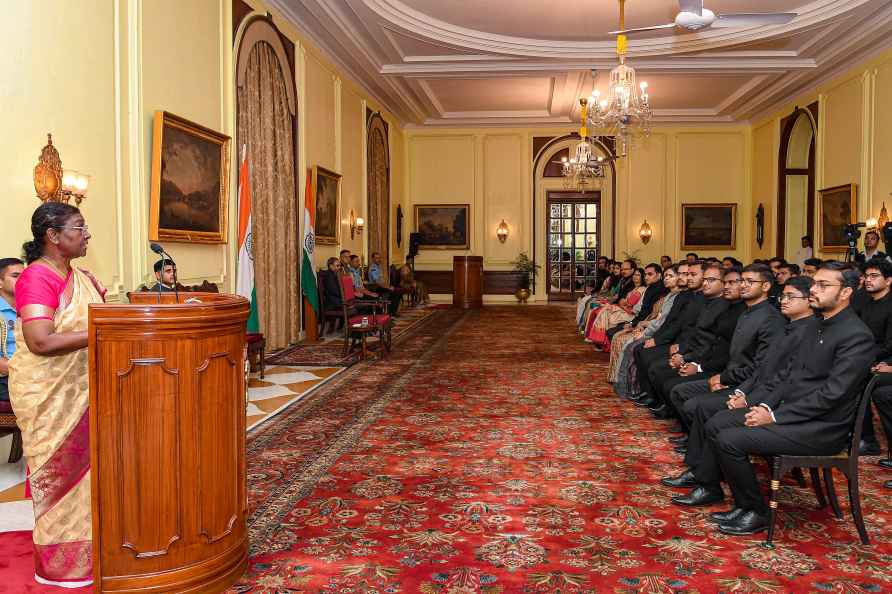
(645, 232)
(357, 224)
(502, 231)
(884, 217)
(54, 184)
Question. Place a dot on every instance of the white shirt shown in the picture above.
(803, 254)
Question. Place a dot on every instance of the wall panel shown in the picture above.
(502, 197)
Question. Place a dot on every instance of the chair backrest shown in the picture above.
(347, 286)
(320, 288)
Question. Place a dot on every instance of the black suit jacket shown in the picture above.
(694, 341)
(877, 315)
(683, 314)
(756, 329)
(814, 399)
(778, 356)
(331, 289)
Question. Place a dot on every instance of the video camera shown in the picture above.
(852, 233)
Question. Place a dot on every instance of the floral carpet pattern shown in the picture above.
(488, 455)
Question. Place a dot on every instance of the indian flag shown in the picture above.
(245, 282)
(307, 272)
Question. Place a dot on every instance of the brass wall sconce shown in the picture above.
(357, 224)
(502, 231)
(884, 217)
(54, 184)
(645, 232)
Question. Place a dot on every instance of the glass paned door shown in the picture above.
(572, 240)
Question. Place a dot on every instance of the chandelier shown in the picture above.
(583, 170)
(625, 110)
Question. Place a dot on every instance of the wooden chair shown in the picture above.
(256, 344)
(845, 461)
(382, 321)
(8, 426)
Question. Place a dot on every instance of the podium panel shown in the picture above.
(467, 282)
(167, 443)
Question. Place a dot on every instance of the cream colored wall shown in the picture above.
(491, 169)
(854, 144)
(137, 58)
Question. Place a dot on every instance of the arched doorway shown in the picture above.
(570, 228)
(796, 181)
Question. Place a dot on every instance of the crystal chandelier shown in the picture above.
(625, 110)
(583, 170)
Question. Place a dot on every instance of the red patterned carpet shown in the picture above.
(487, 455)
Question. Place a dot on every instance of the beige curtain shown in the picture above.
(265, 124)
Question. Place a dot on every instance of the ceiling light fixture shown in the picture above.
(625, 110)
(583, 170)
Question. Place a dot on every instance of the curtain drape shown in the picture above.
(378, 176)
(266, 125)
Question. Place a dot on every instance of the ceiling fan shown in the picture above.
(694, 17)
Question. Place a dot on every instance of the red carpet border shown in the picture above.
(487, 455)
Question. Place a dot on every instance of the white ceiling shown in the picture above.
(526, 62)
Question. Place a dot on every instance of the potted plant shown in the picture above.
(527, 269)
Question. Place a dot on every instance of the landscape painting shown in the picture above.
(838, 208)
(443, 226)
(708, 226)
(190, 182)
(328, 196)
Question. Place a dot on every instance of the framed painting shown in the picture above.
(327, 191)
(838, 206)
(190, 182)
(443, 226)
(708, 226)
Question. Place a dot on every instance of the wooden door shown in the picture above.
(573, 242)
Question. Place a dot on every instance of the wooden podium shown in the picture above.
(167, 442)
(467, 282)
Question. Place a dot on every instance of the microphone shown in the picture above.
(156, 247)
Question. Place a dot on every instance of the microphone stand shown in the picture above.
(161, 278)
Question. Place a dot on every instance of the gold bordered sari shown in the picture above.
(50, 397)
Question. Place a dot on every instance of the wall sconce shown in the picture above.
(502, 231)
(356, 224)
(54, 184)
(884, 217)
(645, 232)
(871, 223)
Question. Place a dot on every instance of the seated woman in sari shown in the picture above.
(622, 338)
(609, 293)
(48, 389)
(622, 311)
(626, 380)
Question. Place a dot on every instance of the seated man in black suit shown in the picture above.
(692, 342)
(756, 328)
(165, 276)
(806, 409)
(332, 289)
(772, 350)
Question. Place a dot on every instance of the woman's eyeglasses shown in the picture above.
(84, 229)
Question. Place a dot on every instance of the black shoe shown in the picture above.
(638, 396)
(685, 480)
(869, 448)
(888, 484)
(662, 413)
(886, 463)
(680, 440)
(677, 428)
(682, 449)
(645, 402)
(749, 522)
(700, 496)
(726, 517)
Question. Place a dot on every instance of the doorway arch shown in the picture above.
(547, 180)
(796, 181)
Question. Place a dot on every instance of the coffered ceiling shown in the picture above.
(526, 62)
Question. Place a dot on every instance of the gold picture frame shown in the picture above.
(837, 207)
(327, 200)
(443, 226)
(709, 226)
(190, 182)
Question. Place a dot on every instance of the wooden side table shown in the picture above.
(361, 334)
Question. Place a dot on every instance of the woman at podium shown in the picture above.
(48, 389)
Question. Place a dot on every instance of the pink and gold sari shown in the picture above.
(50, 397)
